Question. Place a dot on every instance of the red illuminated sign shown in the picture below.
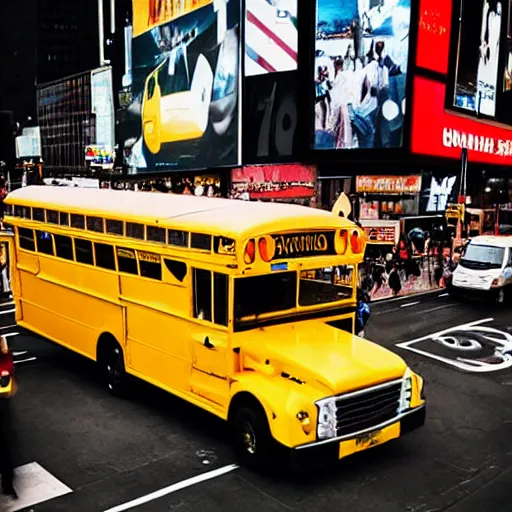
(434, 35)
(439, 133)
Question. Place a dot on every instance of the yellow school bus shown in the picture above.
(244, 309)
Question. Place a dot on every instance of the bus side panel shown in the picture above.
(75, 315)
(157, 333)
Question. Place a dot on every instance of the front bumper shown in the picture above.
(324, 453)
(477, 294)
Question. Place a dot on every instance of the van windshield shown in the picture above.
(483, 257)
(274, 293)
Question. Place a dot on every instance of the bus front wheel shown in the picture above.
(253, 441)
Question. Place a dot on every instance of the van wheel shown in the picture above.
(253, 442)
(500, 298)
(115, 373)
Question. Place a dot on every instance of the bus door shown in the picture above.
(209, 337)
(9, 274)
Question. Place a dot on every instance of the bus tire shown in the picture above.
(253, 442)
(111, 361)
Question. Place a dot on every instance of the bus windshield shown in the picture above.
(274, 293)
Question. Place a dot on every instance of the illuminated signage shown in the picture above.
(440, 193)
(388, 184)
(297, 245)
(450, 133)
(380, 234)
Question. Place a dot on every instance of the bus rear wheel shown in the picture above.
(111, 360)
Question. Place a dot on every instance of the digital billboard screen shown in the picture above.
(185, 92)
(478, 55)
(271, 36)
(360, 73)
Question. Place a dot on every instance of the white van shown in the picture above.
(485, 268)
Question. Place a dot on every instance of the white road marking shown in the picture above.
(409, 304)
(173, 488)
(7, 311)
(468, 365)
(26, 360)
(22, 353)
(443, 295)
(34, 485)
(10, 334)
(8, 326)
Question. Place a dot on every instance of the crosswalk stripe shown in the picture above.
(34, 485)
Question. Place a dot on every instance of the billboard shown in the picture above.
(476, 71)
(278, 182)
(184, 110)
(271, 36)
(360, 73)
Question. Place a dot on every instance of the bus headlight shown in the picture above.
(405, 395)
(327, 421)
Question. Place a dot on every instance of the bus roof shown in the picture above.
(224, 217)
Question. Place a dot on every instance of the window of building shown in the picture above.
(52, 216)
(95, 224)
(64, 219)
(77, 221)
(127, 261)
(202, 291)
(134, 230)
(221, 298)
(114, 227)
(26, 238)
(177, 238)
(83, 250)
(177, 268)
(38, 214)
(105, 256)
(64, 247)
(150, 265)
(201, 242)
(156, 234)
(44, 242)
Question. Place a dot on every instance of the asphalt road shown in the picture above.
(107, 452)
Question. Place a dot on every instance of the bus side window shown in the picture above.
(26, 238)
(64, 247)
(220, 298)
(127, 261)
(77, 221)
(177, 268)
(150, 265)
(105, 256)
(202, 291)
(44, 242)
(83, 250)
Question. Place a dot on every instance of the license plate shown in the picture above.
(369, 440)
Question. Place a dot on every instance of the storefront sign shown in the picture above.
(380, 234)
(297, 245)
(388, 184)
(450, 132)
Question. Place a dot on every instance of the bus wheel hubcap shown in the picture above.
(249, 439)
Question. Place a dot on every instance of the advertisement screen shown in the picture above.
(507, 75)
(478, 56)
(184, 107)
(271, 36)
(434, 35)
(273, 182)
(361, 55)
